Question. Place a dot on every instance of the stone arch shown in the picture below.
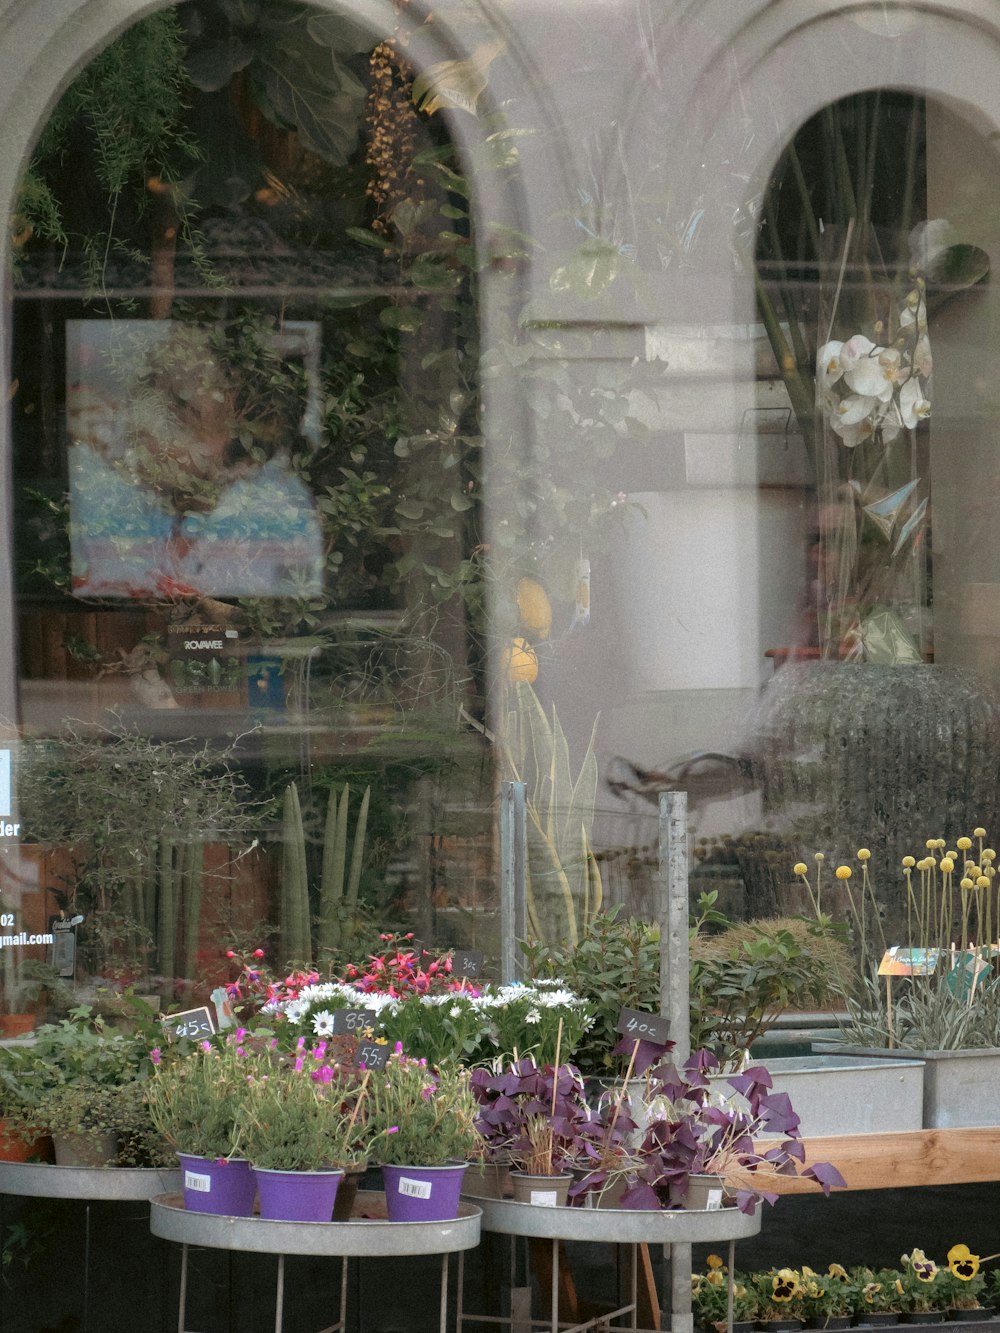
(40, 56)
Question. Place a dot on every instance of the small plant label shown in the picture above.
(193, 1180)
(353, 1021)
(192, 1023)
(544, 1198)
(644, 1027)
(467, 963)
(372, 1054)
(414, 1189)
(714, 1201)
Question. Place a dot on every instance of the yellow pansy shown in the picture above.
(963, 1263)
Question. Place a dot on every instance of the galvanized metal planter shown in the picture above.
(961, 1088)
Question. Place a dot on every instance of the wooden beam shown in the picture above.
(895, 1161)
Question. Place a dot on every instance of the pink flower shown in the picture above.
(258, 953)
(156, 1055)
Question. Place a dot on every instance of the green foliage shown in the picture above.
(615, 965)
(296, 939)
(121, 119)
(421, 1117)
(134, 812)
(338, 896)
(745, 977)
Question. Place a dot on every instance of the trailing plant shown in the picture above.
(693, 1128)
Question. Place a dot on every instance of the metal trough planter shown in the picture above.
(961, 1088)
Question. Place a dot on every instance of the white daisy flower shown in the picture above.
(323, 1023)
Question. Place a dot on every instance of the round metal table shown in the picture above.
(91, 1184)
(617, 1226)
(368, 1234)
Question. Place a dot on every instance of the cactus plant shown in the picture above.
(339, 902)
(295, 933)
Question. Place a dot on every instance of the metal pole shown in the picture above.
(513, 875)
(675, 1002)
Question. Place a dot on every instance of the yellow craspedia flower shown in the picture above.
(965, 883)
(520, 661)
(947, 864)
(909, 862)
(843, 872)
(534, 608)
(800, 868)
(983, 882)
(963, 1263)
(818, 856)
(979, 833)
(989, 854)
(964, 844)
(864, 854)
(930, 844)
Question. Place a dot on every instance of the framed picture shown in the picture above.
(185, 446)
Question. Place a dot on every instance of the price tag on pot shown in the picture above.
(372, 1054)
(643, 1027)
(195, 1024)
(353, 1021)
(467, 963)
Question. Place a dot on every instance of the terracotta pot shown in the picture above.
(16, 1025)
(14, 1148)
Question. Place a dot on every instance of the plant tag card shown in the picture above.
(194, 1180)
(899, 962)
(467, 963)
(714, 1201)
(372, 1054)
(643, 1027)
(353, 1021)
(192, 1023)
(544, 1198)
(414, 1189)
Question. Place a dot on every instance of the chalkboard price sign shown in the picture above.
(467, 963)
(644, 1027)
(372, 1054)
(353, 1021)
(195, 1024)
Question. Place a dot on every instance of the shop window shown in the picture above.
(248, 511)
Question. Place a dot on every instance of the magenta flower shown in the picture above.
(156, 1055)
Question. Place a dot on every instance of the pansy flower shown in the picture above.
(963, 1263)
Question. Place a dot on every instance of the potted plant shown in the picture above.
(963, 1284)
(710, 1298)
(606, 1158)
(693, 1130)
(301, 1123)
(925, 1295)
(422, 1129)
(530, 1118)
(779, 1295)
(879, 1297)
(828, 1299)
(194, 1099)
(78, 1079)
(946, 1014)
(19, 1138)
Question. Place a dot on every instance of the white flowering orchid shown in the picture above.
(872, 391)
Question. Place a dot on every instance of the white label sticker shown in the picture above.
(194, 1181)
(416, 1189)
(544, 1198)
(714, 1200)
